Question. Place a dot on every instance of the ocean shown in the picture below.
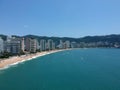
(77, 69)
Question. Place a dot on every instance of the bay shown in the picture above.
(77, 69)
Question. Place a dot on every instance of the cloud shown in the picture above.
(25, 26)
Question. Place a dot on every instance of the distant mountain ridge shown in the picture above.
(114, 38)
(108, 38)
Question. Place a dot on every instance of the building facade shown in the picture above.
(43, 45)
(73, 45)
(22, 45)
(12, 45)
(50, 45)
(1, 45)
(66, 44)
(61, 44)
(33, 45)
(30, 45)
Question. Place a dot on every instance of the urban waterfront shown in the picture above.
(77, 69)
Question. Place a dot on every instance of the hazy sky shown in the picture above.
(64, 18)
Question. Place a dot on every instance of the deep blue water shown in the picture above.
(79, 69)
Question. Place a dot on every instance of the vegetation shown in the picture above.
(5, 55)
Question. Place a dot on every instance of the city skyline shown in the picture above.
(64, 18)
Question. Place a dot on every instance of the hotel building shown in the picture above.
(30, 45)
(43, 45)
(50, 44)
(73, 45)
(12, 45)
(66, 44)
(1, 45)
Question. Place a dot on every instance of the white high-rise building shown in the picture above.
(1, 45)
(50, 44)
(43, 45)
(33, 45)
(53, 46)
(38, 45)
(73, 45)
(61, 44)
(67, 44)
(30, 45)
(13, 45)
(22, 45)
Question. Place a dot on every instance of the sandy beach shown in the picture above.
(18, 59)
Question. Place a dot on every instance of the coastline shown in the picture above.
(6, 63)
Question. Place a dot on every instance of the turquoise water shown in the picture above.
(79, 69)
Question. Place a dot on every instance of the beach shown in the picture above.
(4, 63)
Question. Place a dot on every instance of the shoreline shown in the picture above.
(8, 62)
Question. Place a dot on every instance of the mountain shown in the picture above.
(114, 38)
(55, 39)
(108, 38)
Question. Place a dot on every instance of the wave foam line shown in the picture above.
(23, 60)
